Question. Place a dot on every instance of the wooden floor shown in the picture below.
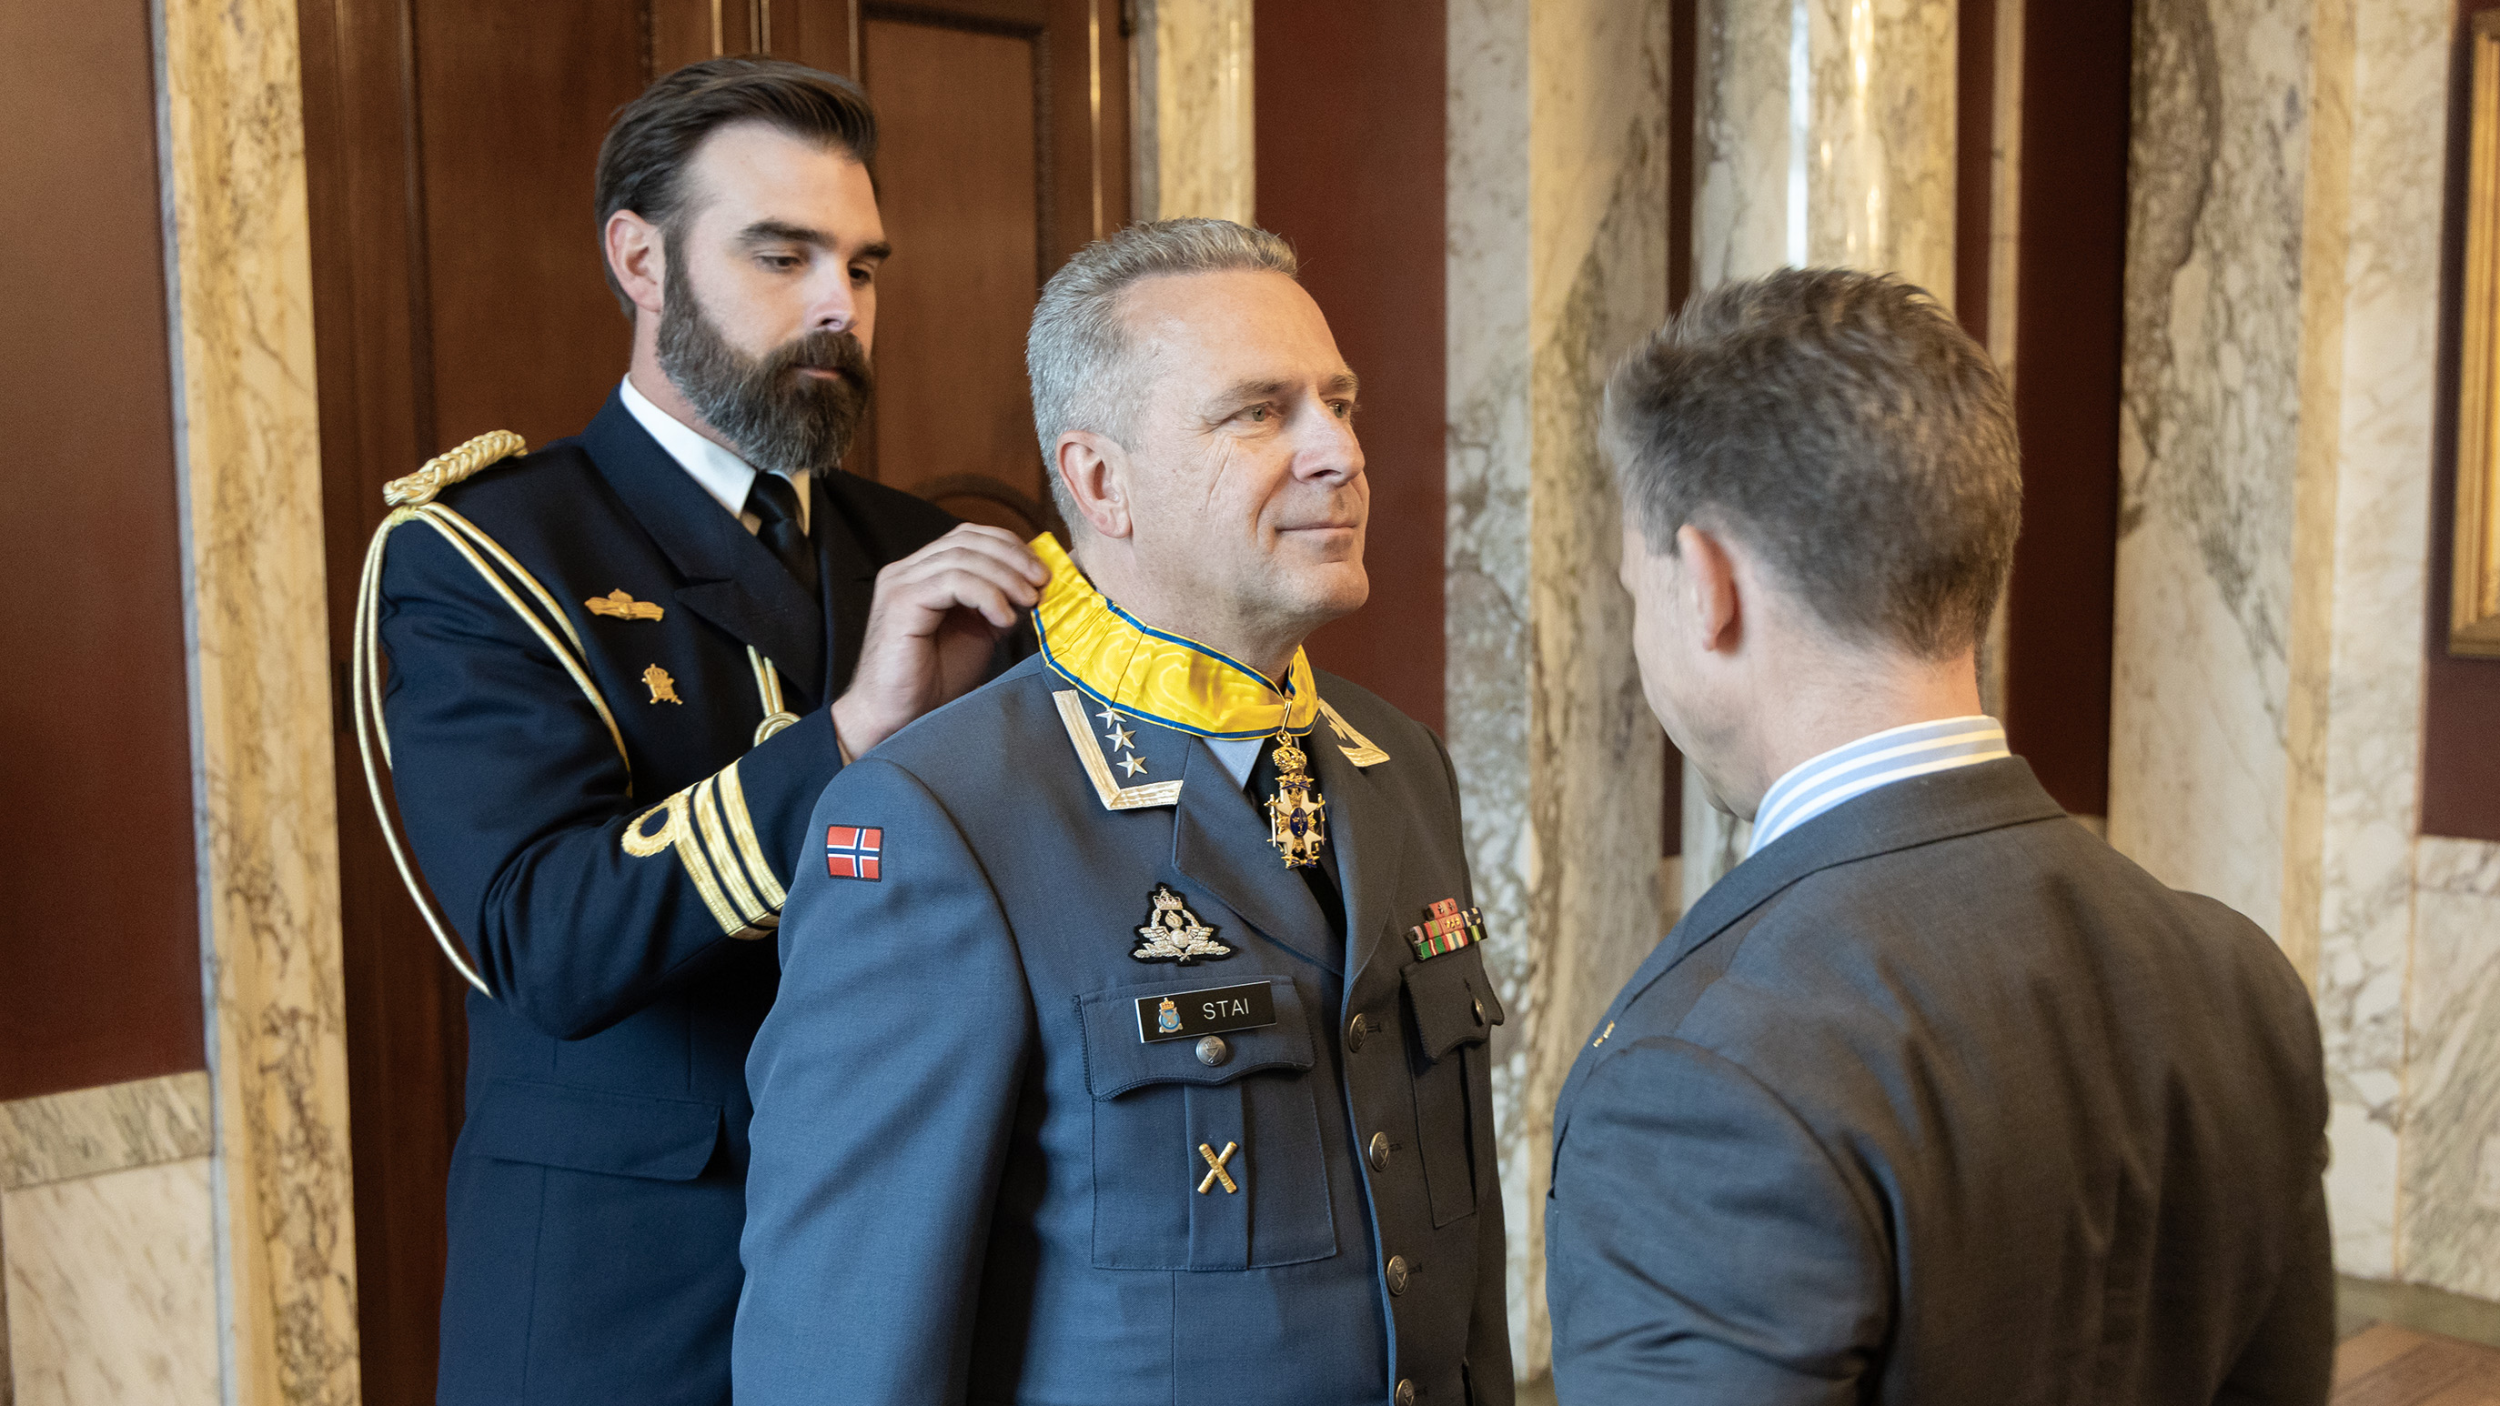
(2381, 1365)
(2384, 1365)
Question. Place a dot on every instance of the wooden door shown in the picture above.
(458, 290)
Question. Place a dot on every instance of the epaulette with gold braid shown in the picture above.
(446, 469)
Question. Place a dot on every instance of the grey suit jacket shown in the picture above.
(1938, 1099)
(976, 1179)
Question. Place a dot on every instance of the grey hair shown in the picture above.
(1843, 425)
(1077, 351)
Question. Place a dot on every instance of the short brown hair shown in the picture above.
(1842, 424)
(642, 163)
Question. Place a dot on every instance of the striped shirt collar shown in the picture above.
(1895, 754)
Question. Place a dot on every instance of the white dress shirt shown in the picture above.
(722, 474)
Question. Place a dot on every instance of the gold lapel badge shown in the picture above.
(663, 688)
(1297, 813)
(623, 606)
(1215, 1168)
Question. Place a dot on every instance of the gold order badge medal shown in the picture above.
(1297, 814)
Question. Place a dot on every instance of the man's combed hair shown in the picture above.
(1077, 351)
(642, 163)
(1840, 423)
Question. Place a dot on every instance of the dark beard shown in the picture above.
(780, 418)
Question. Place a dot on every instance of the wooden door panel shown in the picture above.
(526, 335)
(953, 303)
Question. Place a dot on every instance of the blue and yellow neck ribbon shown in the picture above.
(1122, 662)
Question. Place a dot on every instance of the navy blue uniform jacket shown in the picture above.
(1940, 1101)
(975, 1181)
(597, 1190)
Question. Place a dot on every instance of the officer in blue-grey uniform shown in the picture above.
(611, 700)
(1132, 1043)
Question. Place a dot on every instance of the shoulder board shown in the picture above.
(444, 470)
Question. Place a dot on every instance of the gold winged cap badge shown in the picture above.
(623, 606)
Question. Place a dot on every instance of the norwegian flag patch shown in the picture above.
(852, 851)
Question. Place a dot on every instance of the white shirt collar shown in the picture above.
(1876, 760)
(722, 474)
(1238, 754)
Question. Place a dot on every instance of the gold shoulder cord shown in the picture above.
(412, 500)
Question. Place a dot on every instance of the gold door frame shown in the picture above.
(2474, 620)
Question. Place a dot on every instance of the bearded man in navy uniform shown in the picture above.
(621, 670)
(1132, 1039)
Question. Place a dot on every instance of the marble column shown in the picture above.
(1194, 148)
(250, 490)
(2282, 324)
(1557, 261)
(2361, 590)
(1825, 135)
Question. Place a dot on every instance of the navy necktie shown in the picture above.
(775, 503)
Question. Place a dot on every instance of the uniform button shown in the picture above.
(1406, 1391)
(1397, 1274)
(1480, 1010)
(1355, 1030)
(1378, 1154)
(1213, 1051)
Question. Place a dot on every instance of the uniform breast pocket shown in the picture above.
(1206, 1155)
(1455, 1011)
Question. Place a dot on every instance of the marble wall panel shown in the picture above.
(1557, 263)
(138, 1124)
(254, 573)
(1195, 151)
(2450, 1230)
(111, 1283)
(2209, 418)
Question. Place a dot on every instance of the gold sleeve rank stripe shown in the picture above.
(712, 836)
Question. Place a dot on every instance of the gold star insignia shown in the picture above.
(1122, 737)
(1131, 764)
(1109, 715)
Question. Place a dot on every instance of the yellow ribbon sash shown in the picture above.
(1123, 663)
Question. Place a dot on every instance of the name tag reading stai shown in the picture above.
(1186, 1015)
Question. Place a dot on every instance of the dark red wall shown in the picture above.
(2461, 726)
(1351, 101)
(2067, 341)
(99, 908)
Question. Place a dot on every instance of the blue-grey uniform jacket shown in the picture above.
(1940, 1101)
(595, 1194)
(975, 1179)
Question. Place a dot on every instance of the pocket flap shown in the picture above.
(1453, 1000)
(594, 1130)
(1117, 1059)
